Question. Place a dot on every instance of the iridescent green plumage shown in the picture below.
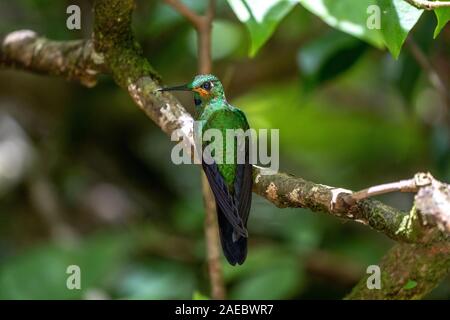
(223, 117)
(231, 182)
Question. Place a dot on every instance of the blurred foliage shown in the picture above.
(326, 57)
(41, 272)
(86, 178)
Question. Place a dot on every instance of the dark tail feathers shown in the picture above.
(234, 251)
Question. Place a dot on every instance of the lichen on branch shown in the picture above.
(73, 60)
(408, 271)
(285, 190)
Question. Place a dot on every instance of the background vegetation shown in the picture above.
(85, 179)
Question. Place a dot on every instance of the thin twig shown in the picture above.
(186, 12)
(211, 224)
(400, 186)
(218, 291)
(211, 11)
(435, 79)
(203, 26)
(409, 185)
(46, 202)
(428, 5)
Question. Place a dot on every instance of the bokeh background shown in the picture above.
(86, 178)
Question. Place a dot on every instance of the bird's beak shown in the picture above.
(177, 88)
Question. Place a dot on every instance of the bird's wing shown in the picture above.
(224, 199)
(244, 176)
(235, 204)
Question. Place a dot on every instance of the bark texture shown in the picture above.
(422, 255)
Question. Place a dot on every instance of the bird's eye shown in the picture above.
(206, 85)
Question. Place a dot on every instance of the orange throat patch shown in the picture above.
(202, 92)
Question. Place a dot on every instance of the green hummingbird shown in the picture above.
(230, 182)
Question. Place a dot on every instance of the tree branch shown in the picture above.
(122, 57)
(185, 11)
(428, 5)
(433, 76)
(287, 191)
(74, 60)
(410, 185)
(134, 73)
(423, 267)
(114, 40)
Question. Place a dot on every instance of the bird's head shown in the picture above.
(206, 87)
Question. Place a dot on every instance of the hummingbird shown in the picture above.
(231, 183)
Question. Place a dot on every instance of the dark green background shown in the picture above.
(349, 115)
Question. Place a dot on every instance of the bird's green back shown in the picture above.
(222, 116)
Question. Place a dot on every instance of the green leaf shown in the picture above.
(443, 16)
(261, 18)
(349, 16)
(199, 296)
(411, 284)
(398, 18)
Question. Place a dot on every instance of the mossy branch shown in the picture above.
(285, 190)
(421, 256)
(408, 271)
